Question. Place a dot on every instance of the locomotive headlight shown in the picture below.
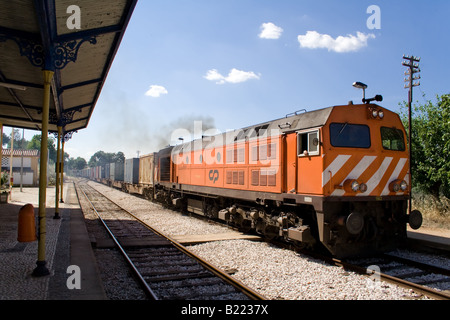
(381, 114)
(363, 187)
(394, 186)
(374, 113)
(355, 186)
(403, 185)
(351, 185)
(397, 186)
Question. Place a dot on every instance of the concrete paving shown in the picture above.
(67, 244)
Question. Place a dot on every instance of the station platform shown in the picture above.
(67, 243)
(433, 238)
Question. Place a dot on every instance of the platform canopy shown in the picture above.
(76, 39)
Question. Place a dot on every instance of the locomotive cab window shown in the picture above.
(308, 143)
(349, 135)
(392, 139)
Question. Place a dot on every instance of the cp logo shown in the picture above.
(213, 175)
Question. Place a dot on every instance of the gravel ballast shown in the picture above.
(274, 272)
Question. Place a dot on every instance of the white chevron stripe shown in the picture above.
(357, 171)
(398, 168)
(334, 167)
(373, 182)
(407, 177)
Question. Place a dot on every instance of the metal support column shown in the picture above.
(41, 269)
(1, 145)
(62, 168)
(11, 158)
(57, 165)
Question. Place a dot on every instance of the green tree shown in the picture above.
(19, 143)
(35, 143)
(430, 142)
(101, 158)
(6, 139)
(119, 157)
(76, 164)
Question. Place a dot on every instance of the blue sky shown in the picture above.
(210, 60)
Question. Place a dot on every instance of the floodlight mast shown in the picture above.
(412, 63)
(363, 86)
(360, 85)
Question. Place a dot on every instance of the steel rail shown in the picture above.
(215, 270)
(429, 292)
(420, 265)
(210, 267)
(148, 291)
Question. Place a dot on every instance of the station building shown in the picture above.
(27, 160)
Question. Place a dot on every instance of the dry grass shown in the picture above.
(436, 213)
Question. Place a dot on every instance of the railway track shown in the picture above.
(420, 277)
(164, 269)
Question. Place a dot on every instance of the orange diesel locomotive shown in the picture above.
(336, 177)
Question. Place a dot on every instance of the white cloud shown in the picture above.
(235, 76)
(270, 31)
(214, 75)
(155, 91)
(315, 40)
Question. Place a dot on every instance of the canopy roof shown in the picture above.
(43, 34)
(20, 152)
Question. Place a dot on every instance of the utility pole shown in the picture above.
(11, 158)
(21, 161)
(412, 63)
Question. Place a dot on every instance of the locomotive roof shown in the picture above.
(311, 119)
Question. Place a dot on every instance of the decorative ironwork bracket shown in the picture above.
(66, 117)
(28, 48)
(65, 52)
(66, 136)
(60, 54)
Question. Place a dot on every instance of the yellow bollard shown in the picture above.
(27, 226)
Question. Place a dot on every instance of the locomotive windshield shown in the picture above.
(392, 139)
(349, 135)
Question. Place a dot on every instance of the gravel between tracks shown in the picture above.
(274, 272)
